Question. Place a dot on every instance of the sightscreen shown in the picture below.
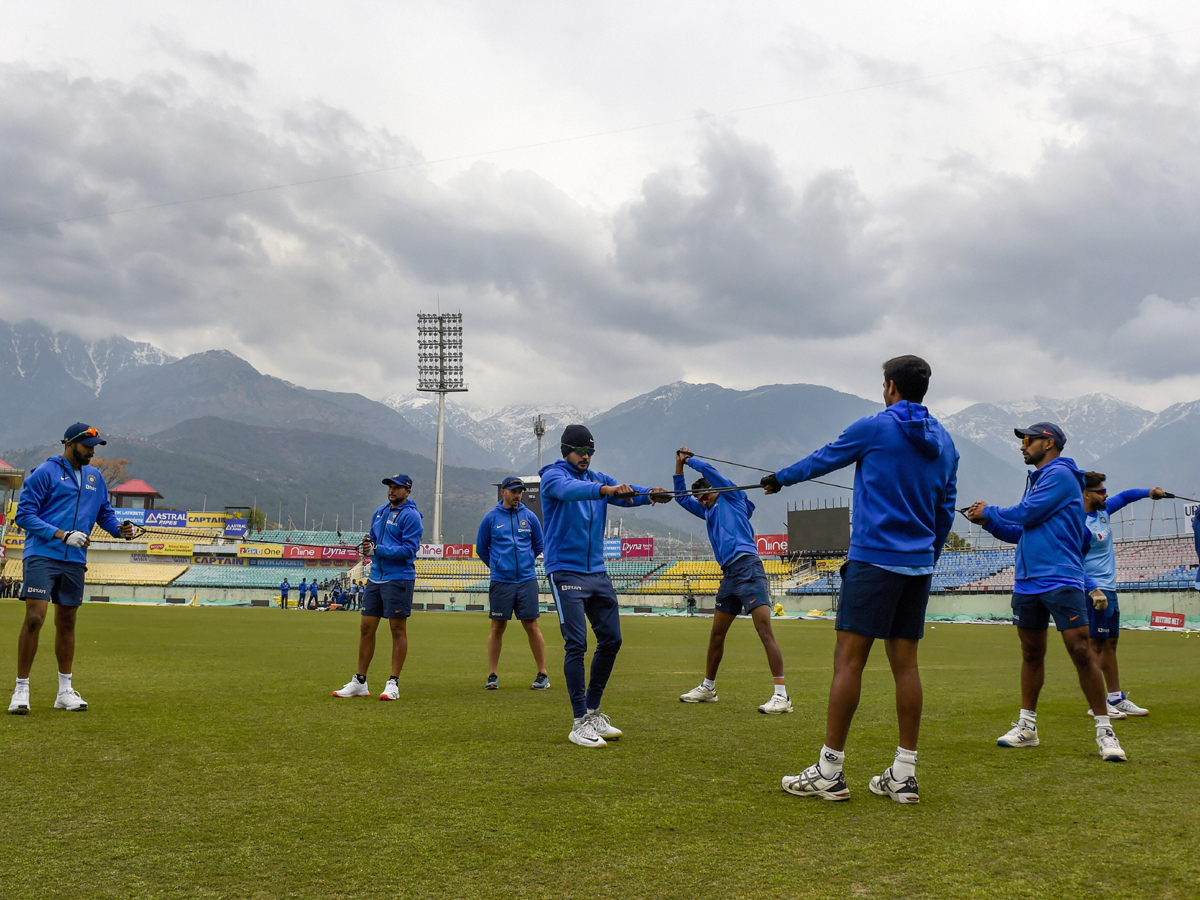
(816, 531)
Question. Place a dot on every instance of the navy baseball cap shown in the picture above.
(83, 434)
(399, 481)
(1044, 429)
(513, 483)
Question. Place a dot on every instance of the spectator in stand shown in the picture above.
(283, 594)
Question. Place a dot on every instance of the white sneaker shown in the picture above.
(699, 694)
(778, 704)
(19, 706)
(391, 692)
(69, 700)
(1110, 749)
(583, 734)
(887, 785)
(1022, 734)
(811, 783)
(1129, 708)
(602, 726)
(354, 688)
(1114, 712)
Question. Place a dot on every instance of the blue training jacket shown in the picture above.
(728, 520)
(1196, 535)
(52, 500)
(509, 542)
(575, 515)
(1099, 557)
(905, 484)
(1048, 528)
(396, 533)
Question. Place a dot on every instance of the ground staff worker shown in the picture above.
(60, 503)
(509, 542)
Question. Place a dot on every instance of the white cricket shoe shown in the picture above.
(1129, 708)
(70, 701)
(777, 705)
(1022, 734)
(900, 790)
(811, 783)
(583, 734)
(19, 705)
(1114, 712)
(391, 692)
(699, 694)
(602, 726)
(354, 688)
(1110, 749)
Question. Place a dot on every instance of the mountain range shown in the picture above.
(211, 423)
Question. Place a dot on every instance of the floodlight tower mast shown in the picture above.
(539, 429)
(439, 371)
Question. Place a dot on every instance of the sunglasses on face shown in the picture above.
(1101, 491)
(583, 451)
(1027, 440)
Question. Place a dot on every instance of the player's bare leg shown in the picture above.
(537, 644)
(910, 697)
(495, 643)
(64, 637)
(27, 640)
(399, 643)
(849, 660)
(366, 642)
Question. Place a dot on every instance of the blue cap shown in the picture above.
(1044, 429)
(81, 433)
(513, 483)
(399, 481)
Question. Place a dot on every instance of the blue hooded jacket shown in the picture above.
(575, 515)
(1048, 528)
(509, 542)
(53, 500)
(728, 520)
(905, 484)
(396, 533)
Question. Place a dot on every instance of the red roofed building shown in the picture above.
(134, 494)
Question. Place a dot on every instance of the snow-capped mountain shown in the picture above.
(1095, 424)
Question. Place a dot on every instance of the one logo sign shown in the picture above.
(771, 544)
(1167, 620)
(166, 518)
(640, 547)
(261, 551)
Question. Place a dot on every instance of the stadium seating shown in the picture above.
(246, 576)
(195, 535)
(134, 573)
(311, 538)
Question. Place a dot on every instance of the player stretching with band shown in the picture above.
(1100, 575)
(393, 541)
(744, 583)
(575, 507)
(61, 501)
(1048, 528)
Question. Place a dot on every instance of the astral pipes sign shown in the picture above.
(771, 544)
(165, 518)
(633, 548)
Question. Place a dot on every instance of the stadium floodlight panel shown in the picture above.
(440, 352)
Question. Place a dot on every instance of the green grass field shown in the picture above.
(214, 763)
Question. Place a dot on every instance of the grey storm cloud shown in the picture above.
(1093, 243)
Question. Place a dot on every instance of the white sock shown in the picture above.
(1102, 722)
(780, 690)
(905, 764)
(64, 682)
(831, 761)
(709, 684)
(592, 712)
(1029, 717)
(22, 682)
(1116, 696)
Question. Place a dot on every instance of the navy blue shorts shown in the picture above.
(881, 604)
(388, 599)
(1104, 624)
(55, 580)
(743, 586)
(503, 599)
(1068, 605)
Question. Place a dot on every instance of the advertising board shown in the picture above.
(260, 551)
(236, 527)
(637, 547)
(430, 551)
(163, 518)
(169, 548)
(771, 544)
(1167, 620)
(205, 519)
(306, 552)
(612, 548)
(458, 551)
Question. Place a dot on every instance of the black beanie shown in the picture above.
(576, 436)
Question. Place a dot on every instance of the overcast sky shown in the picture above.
(617, 195)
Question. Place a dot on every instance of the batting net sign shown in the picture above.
(1167, 620)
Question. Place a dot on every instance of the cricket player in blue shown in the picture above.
(392, 543)
(1100, 576)
(284, 588)
(509, 542)
(744, 586)
(905, 483)
(1048, 526)
(575, 508)
(61, 501)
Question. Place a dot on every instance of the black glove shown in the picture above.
(770, 481)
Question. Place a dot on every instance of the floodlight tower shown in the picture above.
(539, 429)
(439, 371)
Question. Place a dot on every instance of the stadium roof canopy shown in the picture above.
(136, 488)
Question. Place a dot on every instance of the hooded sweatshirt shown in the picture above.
(396, 533)
(575, 515)
(905, 484)
(727, 520)
(509, 542)
(52, 499)
(1048, 528)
